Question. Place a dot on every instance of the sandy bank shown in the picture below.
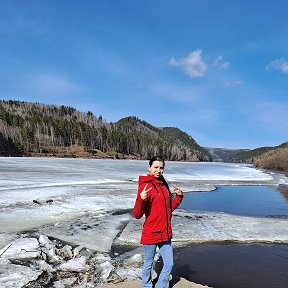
(177, 283)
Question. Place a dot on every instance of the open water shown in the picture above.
(231, 265)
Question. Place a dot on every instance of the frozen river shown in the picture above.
(87, 202)
(48, 191)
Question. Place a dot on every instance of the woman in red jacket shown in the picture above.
(155, 200)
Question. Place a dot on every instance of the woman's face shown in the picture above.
(156, 169)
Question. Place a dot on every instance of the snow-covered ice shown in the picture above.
(22, 248)
(93, 232)
(199, 227)
(17, 276)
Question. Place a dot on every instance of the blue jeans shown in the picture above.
(166, 252)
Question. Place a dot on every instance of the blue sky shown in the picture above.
(218, 70)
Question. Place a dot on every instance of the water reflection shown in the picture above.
(231, 265)
(283, 189)
(261, 201)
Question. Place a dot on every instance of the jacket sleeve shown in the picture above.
(139, 207)
(176, 201)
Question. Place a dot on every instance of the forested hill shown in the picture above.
(274, 158)
(33, 129)
(250, 155)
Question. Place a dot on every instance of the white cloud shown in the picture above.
(193, 64)
(221, 63)
(278, 65)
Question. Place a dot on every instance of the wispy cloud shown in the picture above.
(234, 83)
(221, 63)
(176, 93)
(280, 65)
(273, 115)
(14, 25)
(193, 64)
(49, 83)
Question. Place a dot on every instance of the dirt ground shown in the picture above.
(175, 283)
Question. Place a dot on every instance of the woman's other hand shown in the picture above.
(177, 190)
(144, 193)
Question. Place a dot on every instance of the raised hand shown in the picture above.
(144, 193)
(177, 190)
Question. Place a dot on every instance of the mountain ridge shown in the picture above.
(35, 129)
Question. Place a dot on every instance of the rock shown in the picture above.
(36, 202)
(48, 201)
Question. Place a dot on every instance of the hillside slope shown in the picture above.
(250, 155)
(224, 154)
(33, 129)
(276, 159)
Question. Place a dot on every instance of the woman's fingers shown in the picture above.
(177, 190)
(144, 193)
(147, 189)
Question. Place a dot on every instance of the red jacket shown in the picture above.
(158, 208)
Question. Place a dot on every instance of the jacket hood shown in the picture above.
(149, 178)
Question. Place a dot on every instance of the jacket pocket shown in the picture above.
(156, 232)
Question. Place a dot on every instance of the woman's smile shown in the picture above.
(156, 169)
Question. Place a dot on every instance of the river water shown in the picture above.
(231, 265)
(261, 201)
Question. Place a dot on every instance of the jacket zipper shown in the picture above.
(165, 211)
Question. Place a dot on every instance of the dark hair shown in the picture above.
(156, 158)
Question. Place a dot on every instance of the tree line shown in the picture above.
(268, 157)
(27, 128)
(275, 159)
(250, 155)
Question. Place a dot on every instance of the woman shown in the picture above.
(154, 199)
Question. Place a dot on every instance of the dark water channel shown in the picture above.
(234, 265)
(230, 265)
(261, 201)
